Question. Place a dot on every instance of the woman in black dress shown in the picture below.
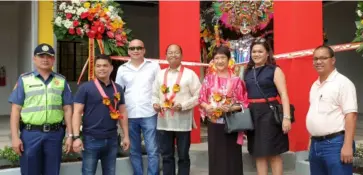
(269, 140)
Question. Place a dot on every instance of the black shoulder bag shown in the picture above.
(238, 121)
(276, 108)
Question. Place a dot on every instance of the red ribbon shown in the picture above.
(100, 44)
(91, 57)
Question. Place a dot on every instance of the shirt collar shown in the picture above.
(37, 74)
(141, 65)
(103, 84)
(177, 69)
(331, 77)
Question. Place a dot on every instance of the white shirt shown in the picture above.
(138, 84)
(187, 97)
(330, 101)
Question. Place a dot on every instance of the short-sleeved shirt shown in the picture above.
(96, 120)
(330, 101)
(137, 83)
(18, 94)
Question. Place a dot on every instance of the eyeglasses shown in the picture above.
(316, 59)
(136, 48)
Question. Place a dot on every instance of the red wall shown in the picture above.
(297, 26)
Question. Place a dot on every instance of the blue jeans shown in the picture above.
(42, 152)
(99, 149)
(148, 128)
(324, 157)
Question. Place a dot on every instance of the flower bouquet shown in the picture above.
(83, 20)
(90, 21)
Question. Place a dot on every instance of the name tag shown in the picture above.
(36, 85)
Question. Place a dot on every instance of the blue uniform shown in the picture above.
(18, 95)
(42, 150)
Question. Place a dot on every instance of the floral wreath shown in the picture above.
(115, 114)
(164, 89)
(217, 97)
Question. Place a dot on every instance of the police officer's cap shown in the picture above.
(44, 49)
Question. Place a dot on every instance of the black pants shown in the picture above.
(225, 155)
(167, 149)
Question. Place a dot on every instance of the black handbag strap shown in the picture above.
(259, 88)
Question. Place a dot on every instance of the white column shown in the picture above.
(55, 69)
(34, 29)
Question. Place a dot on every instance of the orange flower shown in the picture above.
(115, 115)
(176, 88)
(98, 5)
(106, 101)
(117, 96)
(93, 10)
(168, 104)
(228, 101)
(102, 14)
(217, 113)
(164, 89)
(217, 97)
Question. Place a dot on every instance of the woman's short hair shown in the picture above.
(222, 50)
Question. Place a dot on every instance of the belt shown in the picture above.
(320, 138)
(262, 100)
(44, 128)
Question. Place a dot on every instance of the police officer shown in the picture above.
(41, 104)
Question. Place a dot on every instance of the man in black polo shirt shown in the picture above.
(102, 103)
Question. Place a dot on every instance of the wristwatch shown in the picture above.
(76, 137)
(287, 117)
(69, 135)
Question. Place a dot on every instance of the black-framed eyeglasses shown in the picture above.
(316, 59)
(136, 48)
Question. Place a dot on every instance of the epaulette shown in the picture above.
(26, 74)
(59, 75)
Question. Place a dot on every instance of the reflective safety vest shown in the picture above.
(43, 103)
